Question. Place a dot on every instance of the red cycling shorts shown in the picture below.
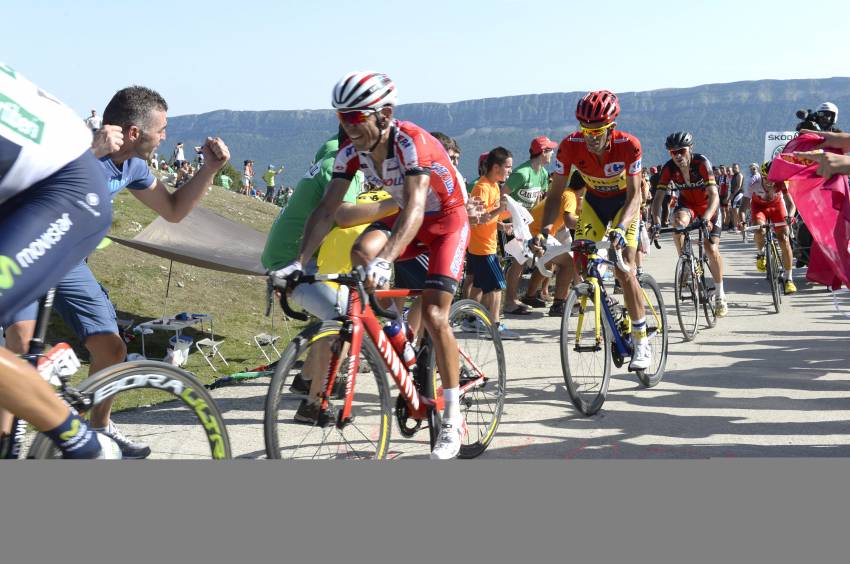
(774, 211)
(445, 237)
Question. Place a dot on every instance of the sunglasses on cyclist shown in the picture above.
(354, 117)
(595, 131)
(683, 151)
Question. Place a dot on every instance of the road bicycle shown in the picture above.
(598, 332)
(354, 418)
(691, 287)
(775, 274)
(154, 402)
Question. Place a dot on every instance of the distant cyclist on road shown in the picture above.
(768, 202)
(691, 174)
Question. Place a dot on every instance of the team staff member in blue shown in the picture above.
(134, 125)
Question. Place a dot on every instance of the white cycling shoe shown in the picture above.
(642, 357)
(450, 440)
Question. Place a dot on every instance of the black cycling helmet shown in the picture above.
(765, 167)
(679, 139)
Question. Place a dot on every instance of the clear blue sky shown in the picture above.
(261, 55)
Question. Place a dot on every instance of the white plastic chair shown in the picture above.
(265, 341)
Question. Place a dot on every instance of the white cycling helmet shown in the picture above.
(364, 91)
(829, 107)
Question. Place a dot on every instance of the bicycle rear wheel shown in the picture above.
(481, 354)
(366, 436)
(773, 276)
(585, 351)
(707, 293)
(685, 289)
(656, 330)
(159, 405)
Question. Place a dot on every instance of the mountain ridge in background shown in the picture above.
(728, 122)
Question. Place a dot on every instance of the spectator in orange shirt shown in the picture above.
(482, 260)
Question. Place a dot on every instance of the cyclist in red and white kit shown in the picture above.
(768, 202)
(414, 168)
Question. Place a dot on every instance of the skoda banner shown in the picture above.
(774, 142)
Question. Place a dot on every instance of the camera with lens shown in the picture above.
(809, 120)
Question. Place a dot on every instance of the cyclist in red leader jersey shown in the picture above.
(414, 168)
(692, 175)
(609, 162)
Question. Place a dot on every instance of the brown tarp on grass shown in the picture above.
(203, 238)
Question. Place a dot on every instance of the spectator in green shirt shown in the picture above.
(530, 180)
(269, 177)
(527, 184)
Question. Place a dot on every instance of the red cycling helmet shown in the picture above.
(601, 105)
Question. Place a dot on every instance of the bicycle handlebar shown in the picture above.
(769, 224)
(353, 279)
(692, 226)
(588, 247)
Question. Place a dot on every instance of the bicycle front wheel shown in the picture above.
(773, 276)
(158, 405)
(656, 330)
(294, 432)
(585, 350)
(685, 287)
(482, 362)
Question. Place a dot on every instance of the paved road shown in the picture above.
(759, 384)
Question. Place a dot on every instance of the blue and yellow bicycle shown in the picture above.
(596, 329)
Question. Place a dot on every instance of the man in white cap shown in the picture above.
(826, 116)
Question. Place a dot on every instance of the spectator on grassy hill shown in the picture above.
(178, 156)
(225, 181)
(94, 122)
(154, 162)
(269, 179)
(184, 174)
(247, 177)
(199, 158)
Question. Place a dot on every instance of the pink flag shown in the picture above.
(824, 205)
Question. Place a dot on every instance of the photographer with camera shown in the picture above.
(822, 119)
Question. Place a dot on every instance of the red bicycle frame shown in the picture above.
(362, 318)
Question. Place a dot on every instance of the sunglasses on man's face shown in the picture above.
(682, 152)
(355, 117)
(595, 131)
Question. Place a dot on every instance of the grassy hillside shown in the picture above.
(136, 283)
